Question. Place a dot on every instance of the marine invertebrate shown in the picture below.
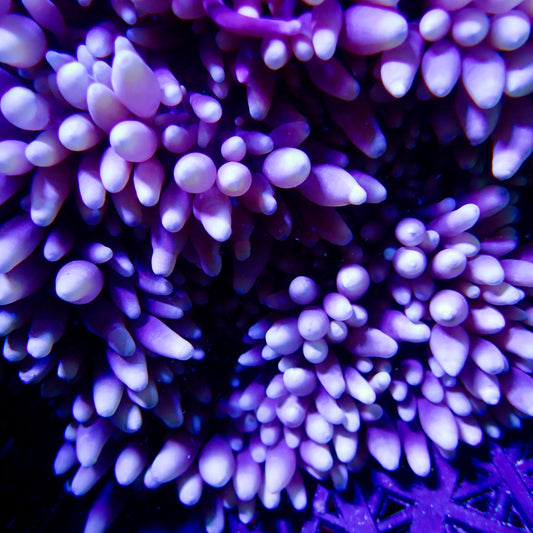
(437, 349)
(150, 198)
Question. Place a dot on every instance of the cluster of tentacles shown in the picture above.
(243, 246)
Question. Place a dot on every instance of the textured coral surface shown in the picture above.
(267, 264)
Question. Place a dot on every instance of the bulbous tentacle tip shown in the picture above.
(79, 282)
